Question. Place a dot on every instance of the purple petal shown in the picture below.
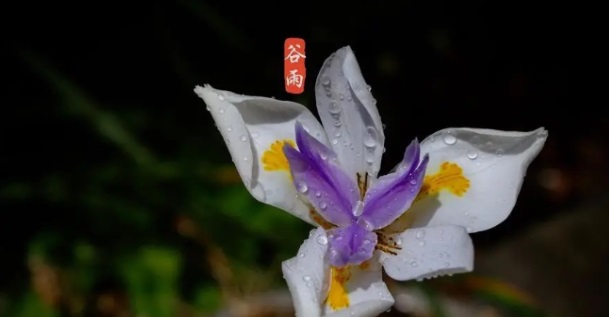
(393, 194)
(317, 176)
(351, 245)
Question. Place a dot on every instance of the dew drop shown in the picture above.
(255, 135)
(323, 240)
(422, 243)
(243, 138)
(335, 141)
(499, 152)
(420, 234)
(472, 154)
(341, 96)
(413, 182)
(207, 108)
(306, 278)
(220, 97)
(245, 158)
(301, 255)
(323, 206)
(449, 139)
(318, 194)
(222, 110)
(370, 140)
(369, 88)
(414, 264)
(323, 156)
(337, 134)
(468, 229)
(358, 209)
(325, 80)
(366, 241)
(303, 188)
(229, 129)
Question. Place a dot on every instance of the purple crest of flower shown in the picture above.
(393, 193)
(334, 195)
(353, 245)
(317, 176)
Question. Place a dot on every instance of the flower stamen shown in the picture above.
(387, 244)
(362, 185)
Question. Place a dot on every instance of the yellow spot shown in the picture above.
(273, 159)
(449, 177)
(338, 298)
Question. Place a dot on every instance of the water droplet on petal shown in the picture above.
(370, 140)
(335, 141)
(420, 234)
(255, 135)
(243, 138)
(472, 154)
(337, 134)
(414, 263)
(413, 182)
(323, 240)
(301, 254)
(446, 264)
(369, 88)
(318, 194)
(222, 110)
(207, 108)
(245, 158)
(325, 80)
(398, 242)
(422, 243)
(229, 129)
(303, 188)
(341, 96)
(449, 139)
(358, 208)
(220, 97)
(323, 206)
(366, 241)
(468, 229)
(499, 152)
(306, 278)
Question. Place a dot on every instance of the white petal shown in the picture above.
(249, 125)
(494, 162)
(307, 275)
(308, 278)
(368, 294)
(429, 252)
(349, 114)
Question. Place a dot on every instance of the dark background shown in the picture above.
(114, 174)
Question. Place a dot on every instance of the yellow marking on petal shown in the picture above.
(338, 298)
(449, 177)
(273, 159)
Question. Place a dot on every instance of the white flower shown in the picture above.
(413, 222)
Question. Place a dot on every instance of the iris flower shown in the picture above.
(413, 222)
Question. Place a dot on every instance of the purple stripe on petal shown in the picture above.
(317, 177)
(393, 194)
(350, 245)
